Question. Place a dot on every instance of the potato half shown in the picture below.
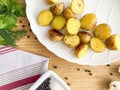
(71, 40)
(57, 9)
(102, 31)
(88, 21)
(113, 42)
(55, 35)
(84, 37)
(81, 50)
(67, 13)
(77, 6)
(73, 26)
(45, 17)
(97, 45)
(58, 22)
(52, 1)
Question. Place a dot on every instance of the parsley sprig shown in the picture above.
(10, 10)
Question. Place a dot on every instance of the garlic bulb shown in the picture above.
(115, 85)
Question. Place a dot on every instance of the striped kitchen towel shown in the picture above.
(19, 69)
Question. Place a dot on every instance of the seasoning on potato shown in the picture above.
(52, 1)
(67, 13)
(58, 22)
(73, 26)
(55, 35)
(84, 37)
(77, 6)
(45, 17)
(57, 9)
(97, 45)
(81, 50)
(102, 31)
(88, 21)
(71, 40)
(113, 42)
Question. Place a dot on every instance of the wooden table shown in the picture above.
(78, 77)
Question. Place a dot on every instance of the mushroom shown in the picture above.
(115, 85)
(119, 70)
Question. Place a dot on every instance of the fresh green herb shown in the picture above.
(9, 11)
(12, 7)
(7, 21)
(9, 37)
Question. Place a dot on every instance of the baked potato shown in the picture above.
(72, 26)
(84, 37)
(71, 40)
(58, 22)
(77, 6)
(113, 42)
(45, 17)
(81, 50)
(57, 9)
(97, 45)
(67, 13)
(88, 21)
(102, 31)
(52, 1)
(55, 35)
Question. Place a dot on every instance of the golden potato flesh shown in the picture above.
(71, 40)
(77, 6)
(88, 21)
(67, 13)
(52, 1)
(81, 50)
(102, 31)
(113, 42)
(58, 22)
(84, 37)
(97, 45)
(57, 9)
(45, 17)
(73, 26)
(55, 35)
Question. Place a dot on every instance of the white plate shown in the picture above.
(107, 11)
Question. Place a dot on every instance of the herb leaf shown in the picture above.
(9, 11)
(9, 37)
(7, 21)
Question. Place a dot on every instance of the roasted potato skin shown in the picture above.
(71, 40)
(113, 42)
(73, 26)
(88, 21)
(45, 17)
(57, 9)
(77, 6)
(97, 45)
(81, 50)
(84, 37)
(55, 35)
(52, 1)
(58, 22)
(102, 31)
(67, 13)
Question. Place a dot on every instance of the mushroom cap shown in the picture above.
(115, 85)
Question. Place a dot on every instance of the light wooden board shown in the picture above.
(76, 76)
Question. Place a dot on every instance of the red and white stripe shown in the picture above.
(5, 49)
(20, 79)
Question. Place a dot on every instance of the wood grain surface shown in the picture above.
(78, 77)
